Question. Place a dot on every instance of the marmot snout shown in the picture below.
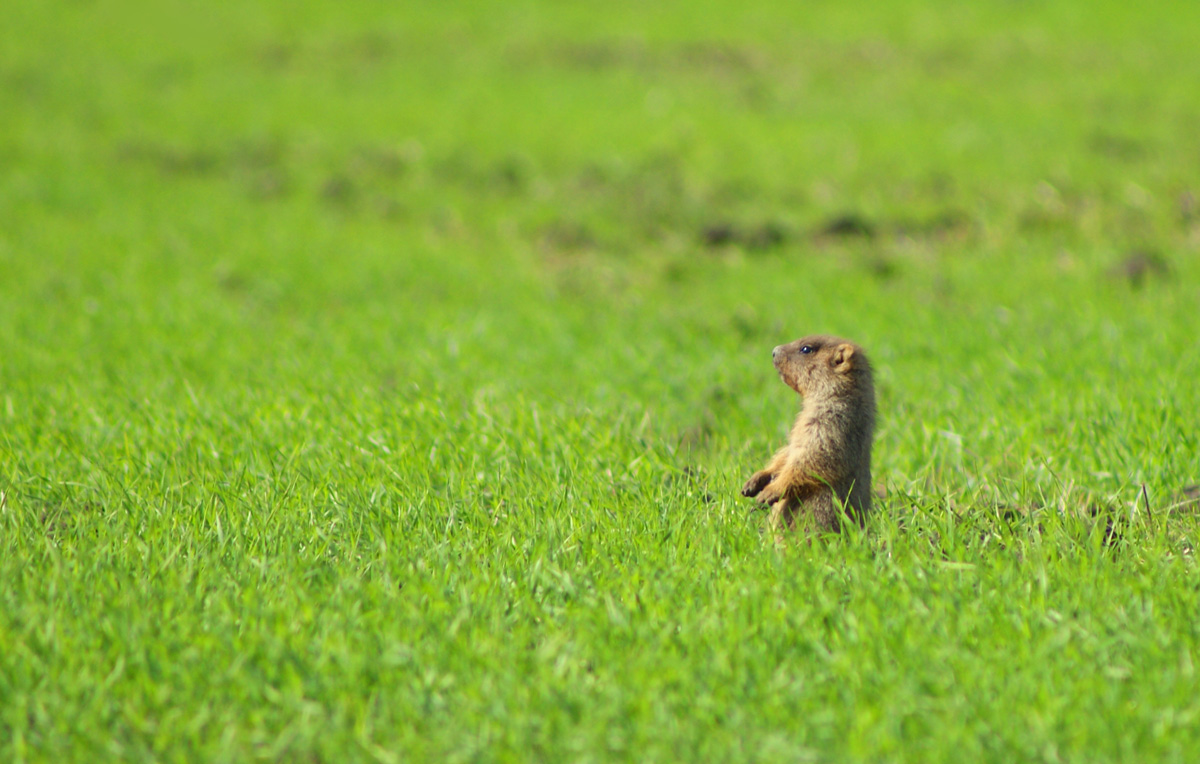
(825, 469)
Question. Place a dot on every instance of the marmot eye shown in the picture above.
(806, 349)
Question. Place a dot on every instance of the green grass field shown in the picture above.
(377, 380)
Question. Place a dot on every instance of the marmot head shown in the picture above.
(820, 365)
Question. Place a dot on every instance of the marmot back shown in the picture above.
(825, 469)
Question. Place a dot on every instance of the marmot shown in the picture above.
(829, 451)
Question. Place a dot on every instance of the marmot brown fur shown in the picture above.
(825, 469)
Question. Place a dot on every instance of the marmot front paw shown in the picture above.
(756, 483)
(770, 495)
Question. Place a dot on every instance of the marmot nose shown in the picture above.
(775, 352)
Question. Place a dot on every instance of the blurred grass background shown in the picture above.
(376, 380)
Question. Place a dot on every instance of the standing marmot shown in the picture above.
(829, 450)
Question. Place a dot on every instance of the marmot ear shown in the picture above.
(843, 356)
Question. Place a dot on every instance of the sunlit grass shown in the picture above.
(376, 384)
